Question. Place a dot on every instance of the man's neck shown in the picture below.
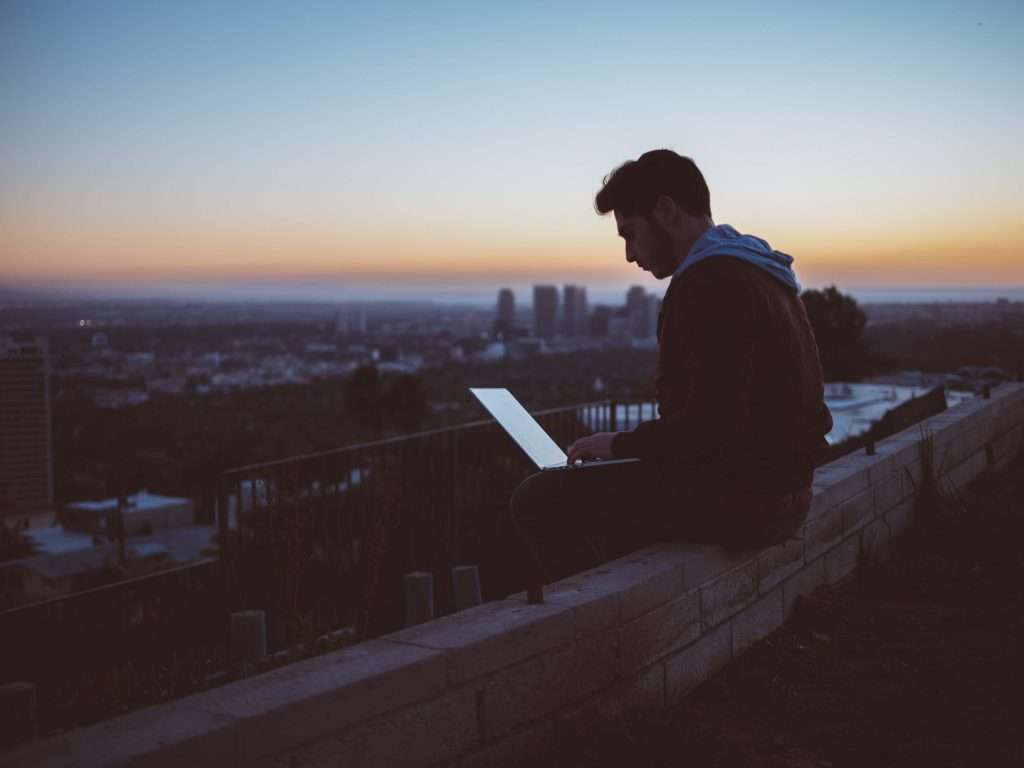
(695, 235)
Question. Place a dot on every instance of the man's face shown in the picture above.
(648, 244)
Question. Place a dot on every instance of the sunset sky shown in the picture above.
(436, 147)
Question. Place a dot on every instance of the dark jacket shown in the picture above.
(739, 384)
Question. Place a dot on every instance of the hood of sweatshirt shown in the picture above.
(723, 240)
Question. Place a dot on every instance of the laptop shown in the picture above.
(528, 434)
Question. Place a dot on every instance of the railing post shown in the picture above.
(613, 420)
(248, 636)
(466, 586)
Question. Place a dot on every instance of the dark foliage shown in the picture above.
(838, 323)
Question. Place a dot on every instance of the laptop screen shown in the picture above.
(523, 428)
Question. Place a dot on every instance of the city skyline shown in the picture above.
(444, 151)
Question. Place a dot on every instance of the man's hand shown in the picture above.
(598, 446)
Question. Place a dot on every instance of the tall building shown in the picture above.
(350, 320)
(637, 308)
(505, 321)
(574, 311)
(545, 311)
(26, 444)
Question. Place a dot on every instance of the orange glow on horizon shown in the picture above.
(37, 250)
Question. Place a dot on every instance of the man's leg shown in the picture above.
(555, 508)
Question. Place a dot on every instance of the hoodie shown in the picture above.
(723, 240)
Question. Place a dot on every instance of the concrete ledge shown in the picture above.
(496, 684)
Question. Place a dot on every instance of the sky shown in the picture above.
(445, 149)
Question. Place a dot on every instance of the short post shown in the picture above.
(17, 714)
(466, 586)
(418, 588)
(986, 391)
(248, 636)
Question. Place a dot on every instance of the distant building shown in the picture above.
(351, 321)
(653, 310)
(574, 311)
(505, 322)
(143, 513)
(638, 311)
(599, 321)
(545, 311)
(26, 444)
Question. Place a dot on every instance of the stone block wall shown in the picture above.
(500, 682)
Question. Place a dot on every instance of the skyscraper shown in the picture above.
(26, 447)
(545, 311)
(637, 309)
(505, 322)
(574, 311)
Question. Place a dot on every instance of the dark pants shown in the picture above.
(631, 505)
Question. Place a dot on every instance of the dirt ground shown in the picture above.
(920, 662)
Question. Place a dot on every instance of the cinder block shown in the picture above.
(822, 534)
(758, 621)
(643, 579)
(707, 562)
(835, 484)
(779, 562)
(593, 608)
(541, 685)
(727, 594)
(858, 511)
(900, 517)
(421, 734)
(967, 443)
(890, 491)
(875, 465)
(841, 561)
(913, 480)
(642, 693)
(493, 635)
(691, 666)
(1007, 446)
(304, 701)
(803, 582)
(874, 541)
(902, 449)
(939, 432)
(165, 735)
(514, 749)
(967, 471)
(660, 632)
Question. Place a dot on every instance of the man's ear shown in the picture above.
(666, 211)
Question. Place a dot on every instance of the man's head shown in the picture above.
(661, 204)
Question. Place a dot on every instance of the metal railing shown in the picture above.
(318, 541)
(322, 540)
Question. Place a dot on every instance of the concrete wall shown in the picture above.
(495, 684)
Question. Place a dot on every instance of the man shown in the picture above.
(742, 418)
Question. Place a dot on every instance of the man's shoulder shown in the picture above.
(719, 276)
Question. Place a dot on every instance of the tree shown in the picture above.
(406, 403)
(838, 323)
(363, 396)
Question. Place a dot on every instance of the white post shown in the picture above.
(466, 586)
(248, 635)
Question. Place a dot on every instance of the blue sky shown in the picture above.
(460, 144)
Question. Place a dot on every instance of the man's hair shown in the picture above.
(633, 188)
